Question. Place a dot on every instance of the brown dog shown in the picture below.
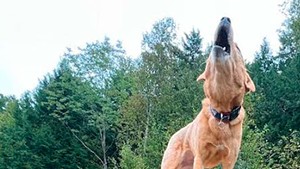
(214, 137)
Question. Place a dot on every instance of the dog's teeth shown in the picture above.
(224, 48)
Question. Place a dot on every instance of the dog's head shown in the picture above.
(225, 75)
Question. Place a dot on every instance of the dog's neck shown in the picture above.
(224, 116)
(224, 102)
(225, 90)
(225, 107)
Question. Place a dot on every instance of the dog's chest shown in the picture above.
(213, 153)
(220, 147)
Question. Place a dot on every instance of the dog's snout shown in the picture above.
(226, 19)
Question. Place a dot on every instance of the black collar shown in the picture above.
(229, 116)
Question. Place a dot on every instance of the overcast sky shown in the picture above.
(34, 34)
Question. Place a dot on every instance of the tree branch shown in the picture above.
(90, 150)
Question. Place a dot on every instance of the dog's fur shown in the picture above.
(207, 142)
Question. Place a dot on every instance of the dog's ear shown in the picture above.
(201, 77)
(204, 75)
(249, 84)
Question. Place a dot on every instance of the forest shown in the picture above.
(101, 108)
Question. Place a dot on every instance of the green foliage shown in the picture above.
(277, 88)
(192, 44)
(96, 62)
(130, 160)
(64, 106)
(69, 121)
(167, 82)
(283, 154)
(133, 122)
(251, 154)
(290, 32)
(12, 147)
(163, 33)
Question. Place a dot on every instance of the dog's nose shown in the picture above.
(226, 19)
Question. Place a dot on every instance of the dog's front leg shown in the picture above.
(228, 166)
(229, 162)
(198, 163)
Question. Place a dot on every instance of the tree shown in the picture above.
(71, 119)
(263, 66)
(96, 62)
(276, 80)
(156, 78)
(107, 68)
(64, 137)
(192, 53)
(167, 95)
(290, 32)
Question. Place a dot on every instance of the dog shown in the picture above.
(214, 136)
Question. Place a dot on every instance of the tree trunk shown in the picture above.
(147, 125)
(103, 145)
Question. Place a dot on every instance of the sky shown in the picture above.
(34, 34)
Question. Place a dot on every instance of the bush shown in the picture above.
(130, 160)
(285, 154)
(253, 143)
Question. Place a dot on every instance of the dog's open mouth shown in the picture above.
(222, 40)
(223, 33)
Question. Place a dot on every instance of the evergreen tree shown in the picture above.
(290, 32)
